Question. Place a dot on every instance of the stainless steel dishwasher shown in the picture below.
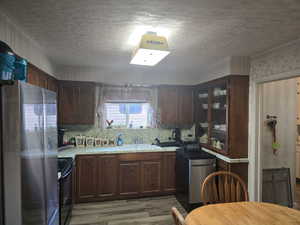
(192, 166)
(199, 169)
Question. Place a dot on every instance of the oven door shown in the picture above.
(66, 202)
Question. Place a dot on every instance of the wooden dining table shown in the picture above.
(243, 213)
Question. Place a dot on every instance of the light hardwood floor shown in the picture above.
(144, 211)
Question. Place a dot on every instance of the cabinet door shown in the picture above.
(107, 176)
(86, 173)
(52, 84)
(150, 177)
(129, 179)
(87, 104)
(169, 184)
(185, 106)
(68, 105)
(168, 106)
(32, 76)
(36, 77)
(76, 103)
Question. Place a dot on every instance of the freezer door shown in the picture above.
(50, 147)
(32, 156)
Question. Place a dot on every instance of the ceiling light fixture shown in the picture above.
(151, 50)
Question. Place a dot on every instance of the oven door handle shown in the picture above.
(68, 173)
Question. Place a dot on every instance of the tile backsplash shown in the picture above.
(147, 135)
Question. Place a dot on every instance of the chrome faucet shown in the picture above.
(138, 140)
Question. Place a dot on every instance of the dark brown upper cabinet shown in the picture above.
(52, 84)
(221, 115)
(76, 103)
(176, 106)
(39, 78)
(185, 106)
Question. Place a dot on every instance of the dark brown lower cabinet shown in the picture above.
(107, 182)
(121, 176)
(169, 176)
(151, 177)
(129, 178)
(240, 169)
(86, 172)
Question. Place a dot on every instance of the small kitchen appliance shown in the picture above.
(176, 135)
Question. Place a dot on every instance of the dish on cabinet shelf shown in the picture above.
(221, 127)
(203, 95)
(203, 139)
(220, 92)
(216, 105)
(204, 125)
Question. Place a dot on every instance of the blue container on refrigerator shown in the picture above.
(7, 66)
(12, 67)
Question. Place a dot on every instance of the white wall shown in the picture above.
(23, 45)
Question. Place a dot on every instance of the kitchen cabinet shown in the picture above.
(107, 172)
(185, 106)
(86, 172)
(52, 84)
(122, 176)
(129, 178)
(151, 177)
(221, 115)
(168, 106)
(240, 169)
(176, 106)
(76, 103)
(96, 177)
(169, 184)
(37, 77)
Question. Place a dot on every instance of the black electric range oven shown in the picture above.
(65, 167)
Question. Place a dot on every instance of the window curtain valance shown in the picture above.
(126, 94)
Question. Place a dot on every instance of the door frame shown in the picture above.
(255, 130)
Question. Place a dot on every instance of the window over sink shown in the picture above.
(128, 114)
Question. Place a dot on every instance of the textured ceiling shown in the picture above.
(98, 33)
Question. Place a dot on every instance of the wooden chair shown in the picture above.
(178, 218)
(222, 187)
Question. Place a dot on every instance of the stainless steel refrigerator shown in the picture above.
(29, 117)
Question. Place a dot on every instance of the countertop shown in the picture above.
(226, 159)
(134, 148)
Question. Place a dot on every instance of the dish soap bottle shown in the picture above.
(120, 140)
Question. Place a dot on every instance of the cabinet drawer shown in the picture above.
(140, 156)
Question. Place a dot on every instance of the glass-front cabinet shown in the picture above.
(221, 114)
(202, 115)
(219, 105)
